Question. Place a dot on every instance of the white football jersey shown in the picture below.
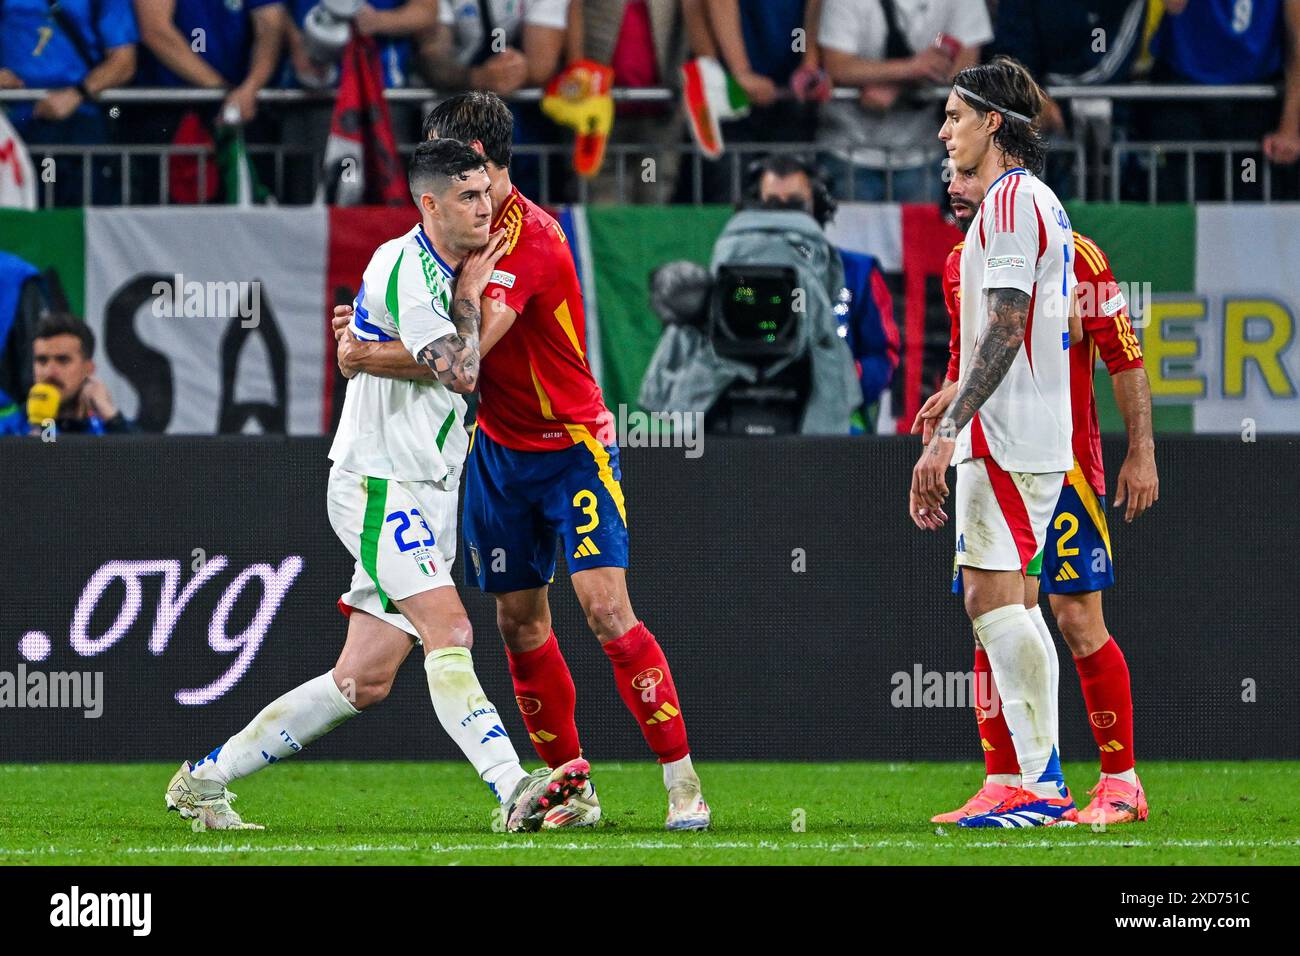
(1021, 239)
(410, 431)
(469, 28)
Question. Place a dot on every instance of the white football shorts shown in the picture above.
(1002, 516)
(402, 535)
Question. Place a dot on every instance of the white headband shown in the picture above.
(993, 106)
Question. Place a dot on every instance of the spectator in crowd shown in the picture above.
(228, 45)
(63, 353)
(1075, 44)
(392, 22)
(466, 51)
(214, 44)
(865, 308)
(1227, 42)
(503, 45)
(76, 49)
(396, 26)
(890, 49)
(763, 44)
(645, 42)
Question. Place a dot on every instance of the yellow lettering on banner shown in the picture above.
(1182, 345)
(1266, 353)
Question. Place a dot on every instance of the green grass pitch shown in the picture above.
(432, 813)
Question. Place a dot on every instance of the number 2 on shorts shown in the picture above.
(1067, 519)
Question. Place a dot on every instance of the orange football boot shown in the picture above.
(1114, 801)
(988, 797)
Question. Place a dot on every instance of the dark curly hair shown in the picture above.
(476, 115)
(1004, 84)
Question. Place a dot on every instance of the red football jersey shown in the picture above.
(536, 392)
(1107, 332)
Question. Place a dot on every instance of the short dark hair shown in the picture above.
(1005, 84)
(436, 163)
(788, 164)
(476, 115)
(65, 323)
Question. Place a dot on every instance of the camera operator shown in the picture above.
(757, 341)
(865, 308)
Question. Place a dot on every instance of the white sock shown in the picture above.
(284, 727)
(470, 719)
(677, 771)
(1053, 674)
(1006, 779)
(1128, 776)
(1019, 665)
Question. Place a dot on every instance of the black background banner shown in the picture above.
(772, 662)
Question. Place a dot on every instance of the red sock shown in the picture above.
(1109, 699)
(646, 686)
(545, 695)
(995, 737)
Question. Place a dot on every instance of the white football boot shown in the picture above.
(580, 810)
(206, 801)
(686, 807)
(541, 791)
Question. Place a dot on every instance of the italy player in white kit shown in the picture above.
(392, 499)
(1008, 428)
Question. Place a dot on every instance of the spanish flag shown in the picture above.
(579, 98)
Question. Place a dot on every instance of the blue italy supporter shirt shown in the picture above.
(767, 26)
(35, 47)
(228, 36)
(1223, 41)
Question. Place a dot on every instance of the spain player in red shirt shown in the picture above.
(1076, 563)
(543, 465)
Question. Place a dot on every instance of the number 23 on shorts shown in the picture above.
(404, 525)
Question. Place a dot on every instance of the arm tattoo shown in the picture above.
(467, 317)
(454, 358)
(994, 353)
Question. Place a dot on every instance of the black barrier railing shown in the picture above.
(1092, 159)
(803, 614)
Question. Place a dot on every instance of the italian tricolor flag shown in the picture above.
(712, 96)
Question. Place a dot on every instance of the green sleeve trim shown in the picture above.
(446, 428)
(390, 298)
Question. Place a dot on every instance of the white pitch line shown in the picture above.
(834, 847)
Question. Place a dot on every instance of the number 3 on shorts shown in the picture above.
(587, 501)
